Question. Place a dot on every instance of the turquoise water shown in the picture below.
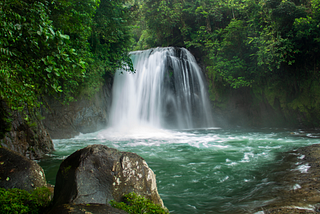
(202, 171)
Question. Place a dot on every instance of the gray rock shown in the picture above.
(82, 116)
(29, 139)
(98, 174)
(17, 171)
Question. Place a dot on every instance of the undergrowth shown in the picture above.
(136, 204)
(17, 201)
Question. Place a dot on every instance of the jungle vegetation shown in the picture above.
(267, 47)
(60, 48)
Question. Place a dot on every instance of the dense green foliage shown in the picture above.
(34, 56)
(17, 201)
(270, 46)
(99, 31)
(59, 48)
(136, 204)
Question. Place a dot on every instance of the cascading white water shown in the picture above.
(166, 91)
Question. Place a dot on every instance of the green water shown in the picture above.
(202, 171)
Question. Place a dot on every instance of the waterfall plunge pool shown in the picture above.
(154, 113)
(203, 170)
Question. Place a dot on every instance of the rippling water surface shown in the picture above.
(201, 171)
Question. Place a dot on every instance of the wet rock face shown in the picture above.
(82, 116)
(299, 182)
(30, 140)
(17, 171)
(98, 174)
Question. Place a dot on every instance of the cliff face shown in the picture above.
(82, 116)
(30, 139)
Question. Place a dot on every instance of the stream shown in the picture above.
(202, 170)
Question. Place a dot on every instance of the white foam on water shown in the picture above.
(224, 179)
(140, 132)
(303, 168)
(296, 186)
(247, 157)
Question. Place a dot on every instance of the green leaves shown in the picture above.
(136, 204)
(31, 51)
(47, 52)
(163, 18)
(21, 201)
(271, 45)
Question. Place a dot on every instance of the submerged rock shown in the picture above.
(300, 183)
(98, 174)
(19, 172)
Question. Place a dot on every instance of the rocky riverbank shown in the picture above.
(87, 180)
(300, 183)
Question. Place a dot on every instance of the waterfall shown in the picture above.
(167, 90)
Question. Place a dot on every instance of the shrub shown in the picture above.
(136, 204)
(16, 201)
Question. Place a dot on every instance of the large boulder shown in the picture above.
(98, 174)
(17, 171)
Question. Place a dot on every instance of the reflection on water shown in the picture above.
(205, 170)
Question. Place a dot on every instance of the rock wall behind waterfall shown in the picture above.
(241, 108)
(83, 116)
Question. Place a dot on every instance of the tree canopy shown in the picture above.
(59, 47)
(270, 46)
